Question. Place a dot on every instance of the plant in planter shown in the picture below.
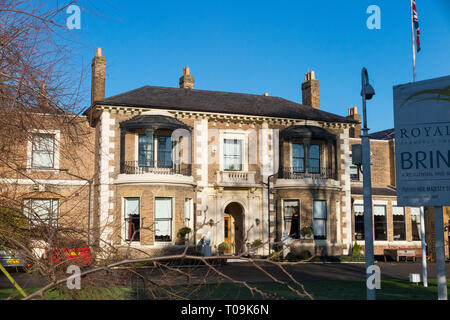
(222, 247)
(307, 232)
(255, 245)
(181, 235)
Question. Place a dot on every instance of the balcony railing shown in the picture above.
(236, 177)
(134, 167)
(305, 173)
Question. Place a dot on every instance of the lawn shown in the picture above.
(321, 290)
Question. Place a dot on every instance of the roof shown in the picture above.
(306, 131)
(388, 134)
(218, 102)
(376, 191)
(155, 122)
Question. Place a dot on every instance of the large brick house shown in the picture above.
(236, 167)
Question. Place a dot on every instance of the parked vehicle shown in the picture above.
(70, 252)
(11, 258)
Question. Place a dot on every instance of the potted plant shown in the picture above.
(222, 247)
(255, 245)
(307, 232)
(181, 235)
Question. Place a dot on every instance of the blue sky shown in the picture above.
(267, 46)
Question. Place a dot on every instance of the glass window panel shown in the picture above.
(233, 155)
(163, 219)
(43, 151)
(319, 228)
(298, 157)
(314, 158)
(165, 151)
(131, 206)
(415, 223)
(145, 152)
(42, 211)
(380, 227)
(320, 209)
(292, 218)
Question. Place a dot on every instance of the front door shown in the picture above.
(227, 232)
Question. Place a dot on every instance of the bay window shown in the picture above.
(320, 219)
(155, 149)
(380, 224)
(398, 218)
(302, 152)
(359, 221)
(163, 219)
(291, 213)
(132, 219)
(298, 157)
(415, 223)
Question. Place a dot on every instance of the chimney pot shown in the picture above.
(187, 80)
(266, 94)
(98, 53)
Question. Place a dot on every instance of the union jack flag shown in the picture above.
(416, 25)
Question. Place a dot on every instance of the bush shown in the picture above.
(183, 232)
(256, 243)
(307, 231)
(223, 247)
(356, 250)
(291, 257)
(275, 256)
(304, 255)
(353, 258)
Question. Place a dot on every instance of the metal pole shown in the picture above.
(413, 43)
(424, 250)
(440, 253)
(367, 190)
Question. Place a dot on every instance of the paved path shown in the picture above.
(247, 272)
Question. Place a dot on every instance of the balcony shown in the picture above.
(291, 177)
(309, 173)
(236, 178)
(134, 167)
(175, 174)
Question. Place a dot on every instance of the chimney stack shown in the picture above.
(310, 91)
(42, 97)
(98, 76)
(187, 80)
(353, 115)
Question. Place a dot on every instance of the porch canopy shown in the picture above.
(154, 122)
(293, 132)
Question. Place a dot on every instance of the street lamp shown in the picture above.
(367, 93)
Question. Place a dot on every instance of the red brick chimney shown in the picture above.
(98, 76)
(310, 91)
(187, 80)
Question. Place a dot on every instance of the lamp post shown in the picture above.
(367, 93)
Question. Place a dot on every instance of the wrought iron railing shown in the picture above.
(304, 173)
(136, 167)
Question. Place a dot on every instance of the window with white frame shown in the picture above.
(232, 155)
(155, 148)
(42, 212)
(291, 213)
(132, 218)
(398, 219)
(358, 210)
(188, 212)
(43, 151)
(415, 223)
(163, 219)
(380, 224)
(320, 219)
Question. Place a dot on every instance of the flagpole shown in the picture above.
(413, 42)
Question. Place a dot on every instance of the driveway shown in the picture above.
(246, 272)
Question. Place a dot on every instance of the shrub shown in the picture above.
(256, 243)
(356, 249)
(276, 256)
(223, 247)
(307, 231)
(183, 232)
(291, 257)
(304, 255)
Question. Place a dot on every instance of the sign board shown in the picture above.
(422, 142)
